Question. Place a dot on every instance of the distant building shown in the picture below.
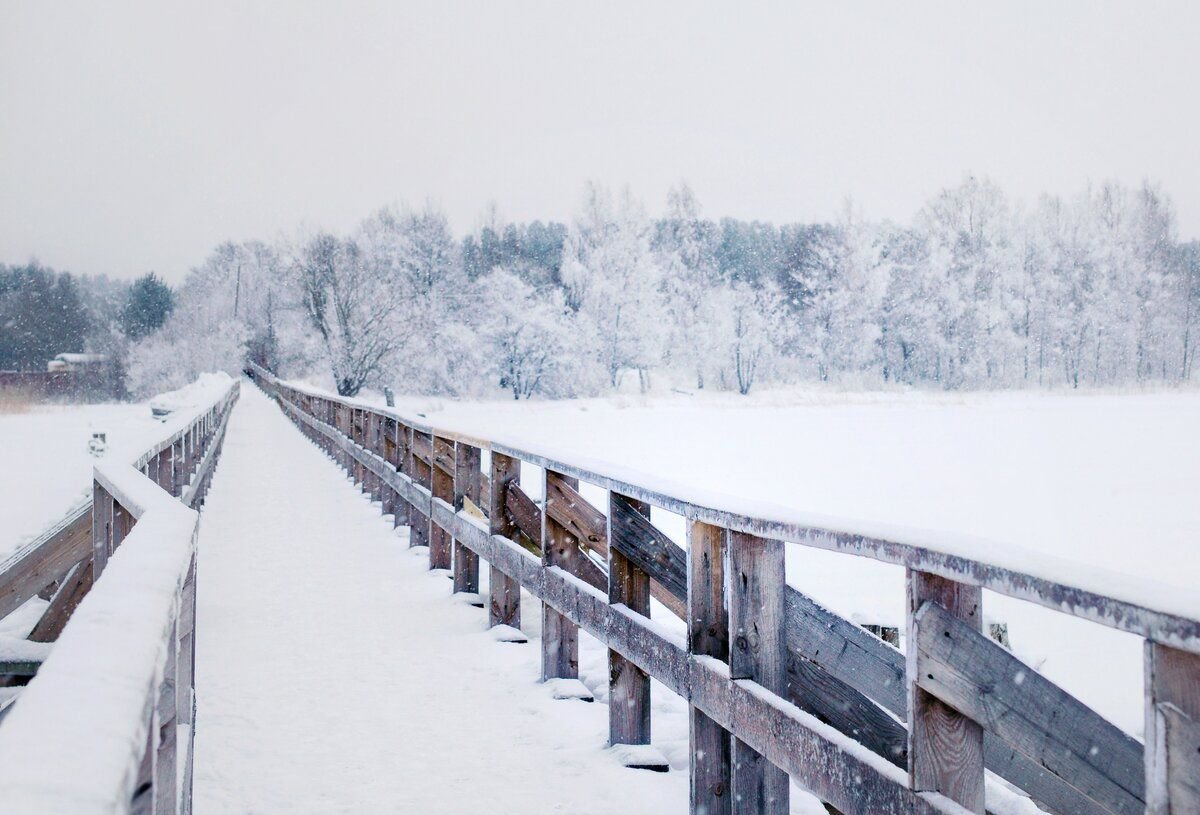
(77, 363)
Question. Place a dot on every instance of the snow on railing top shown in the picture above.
(75, 740)
(186, 404)
(1162, 612)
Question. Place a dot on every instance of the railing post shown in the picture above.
(504, 606)
(166, 473)
(945, 748)
(757, 653)
(708, 636)
(628, 685)
(374, 439)
(560, 636)
(356, 470)
(177, 468)
(468, 484)
(102, 518)
(165, 773)
(403, 463)
(1172, 730)
(389, 497)
(441, 486)
(419, 526)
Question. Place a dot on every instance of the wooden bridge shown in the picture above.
(777, 687)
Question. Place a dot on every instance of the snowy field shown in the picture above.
(45, 467)
(1101, 481)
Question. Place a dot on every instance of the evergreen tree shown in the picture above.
(150, 303)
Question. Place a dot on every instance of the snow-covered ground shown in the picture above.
(1100, 480)
(45, 466)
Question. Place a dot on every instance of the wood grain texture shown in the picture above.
(1172, 730)
(710, 745)
(560, 636)
(628, 685)
(970, 673)
(467, 483)
(504, 606)
(945, 747)
(71, 591)
(757, 652)
(590, 526)
(41, 562)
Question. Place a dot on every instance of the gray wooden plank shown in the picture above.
(945, 747)
(969, 672)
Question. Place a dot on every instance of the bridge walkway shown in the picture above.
(335, 673)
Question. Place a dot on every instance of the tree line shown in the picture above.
(44, 313)
(974, 291)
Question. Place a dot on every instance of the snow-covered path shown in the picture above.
(335, 673)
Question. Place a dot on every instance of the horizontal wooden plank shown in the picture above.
(846, 651)
(47, 558)
(590, 526)
(648, 548)
(19, 667)
(975, 676)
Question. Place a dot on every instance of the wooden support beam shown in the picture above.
(441, 486)
(711, 763)
(757, 652)
(41, 562)
(166, 773)
(390, 454)
(467, 483)
(403, 464)
(102, 518)
(652, 551)
(945, 747)
(422, 473)
(1172, 730)
(71, 591)
(973, 675)
(560, 636)
(628, 685)
(504, 606)
(641, 543)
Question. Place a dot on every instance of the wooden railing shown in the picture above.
(778, 685)
(105, 725)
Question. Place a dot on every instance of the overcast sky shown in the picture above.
(136, 137)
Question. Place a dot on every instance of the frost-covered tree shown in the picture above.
(612, 280)
(348, 302)
(528, 338)
(684, 248)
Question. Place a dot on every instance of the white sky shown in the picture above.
(137, 136)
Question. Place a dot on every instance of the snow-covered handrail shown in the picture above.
(99, 729)
(1139, 606)
(795, 684)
